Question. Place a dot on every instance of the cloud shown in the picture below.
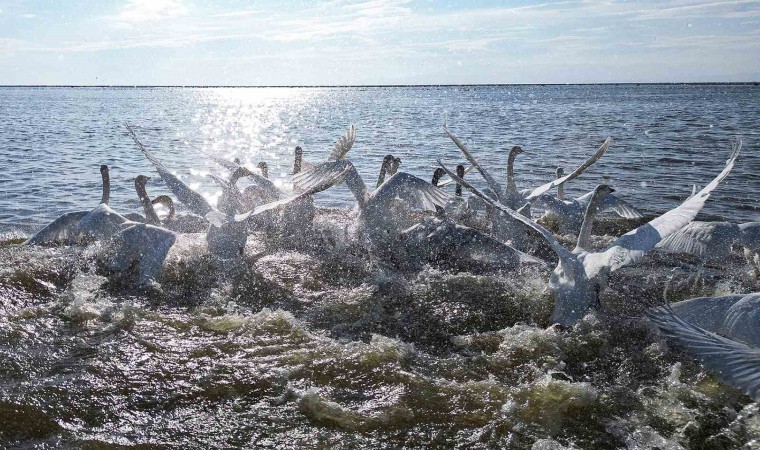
(9, 46)
(150, 10)
(242, 13)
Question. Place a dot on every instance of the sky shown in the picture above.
(359, 42)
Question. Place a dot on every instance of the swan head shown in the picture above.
(602, 191)
(516, 150)
(241, 172)
(387, 161)
(141, 181)
(560, 172)
(394, 165)
(104, 169)
(437, 175)
(264, 169)
(167, 203)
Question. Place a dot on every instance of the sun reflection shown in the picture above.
(251, 125)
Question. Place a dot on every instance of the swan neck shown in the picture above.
(460, 174)
(106, 196)
(237, 174)
(381, 177)
(168, 203)
(150, 214)
(355, 183)
(511, 170)
(298, 160)
(436, 178)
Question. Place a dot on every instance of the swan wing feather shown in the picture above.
(492, 183)
(60, 231)
(343, 145)
(582, 168)
(698, 238)
(620, 207)
(735, 363)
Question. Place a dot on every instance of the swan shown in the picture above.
(713, 241)
(582, 274)
(569, 213)
(82, 226)
(384, 212)
(722, 332)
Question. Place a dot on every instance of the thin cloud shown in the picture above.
(151, 10)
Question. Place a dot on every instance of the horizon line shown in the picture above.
(755, 83)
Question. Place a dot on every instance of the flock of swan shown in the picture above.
(409, 221)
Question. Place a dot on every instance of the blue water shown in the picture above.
(665, 138)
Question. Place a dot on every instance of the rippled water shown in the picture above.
(326, 346)
(666, 138)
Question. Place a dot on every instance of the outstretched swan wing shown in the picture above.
(324, 185)
(182, 191)
(697, 238)
(492, 183)
(621, 207)
(733, 362)
(633, 245)
(416, 192)
(343, 145)
(62, 230)
(582, 168)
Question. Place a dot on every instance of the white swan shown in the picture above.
(582, 274)
(82, 226)
(713, 241)
(722, 332)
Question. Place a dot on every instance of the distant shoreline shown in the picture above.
(123, 86)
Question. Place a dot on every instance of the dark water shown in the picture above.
(666, 138)
(300, 348)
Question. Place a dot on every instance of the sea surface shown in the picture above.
(666, 138)
(321, 343)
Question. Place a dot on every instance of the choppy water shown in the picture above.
(330, 347)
